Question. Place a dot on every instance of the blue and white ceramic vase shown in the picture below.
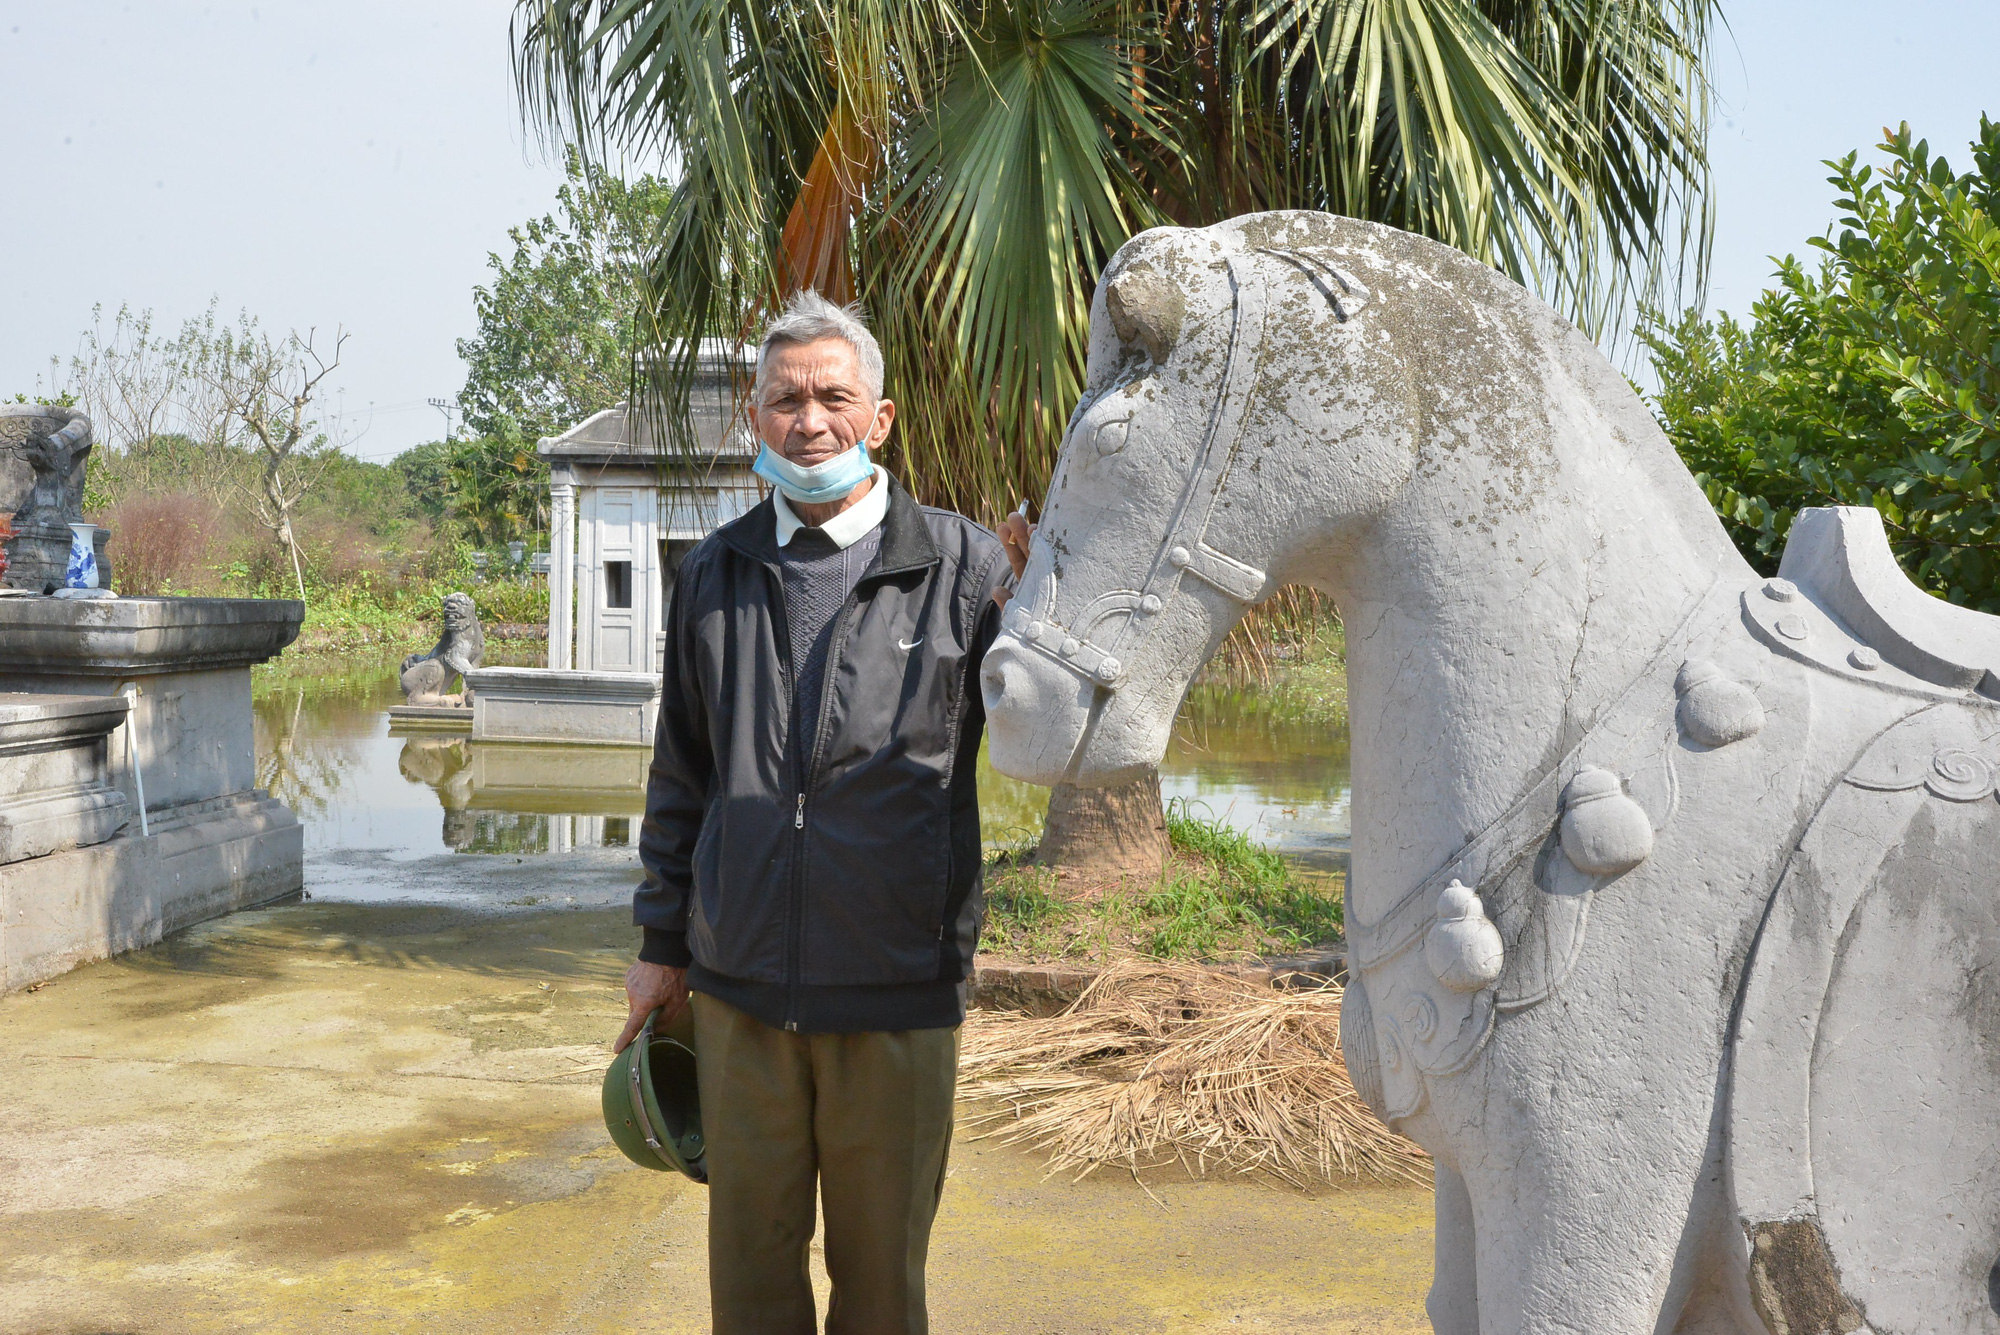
(82, 557)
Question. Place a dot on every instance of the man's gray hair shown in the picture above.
(807, 318)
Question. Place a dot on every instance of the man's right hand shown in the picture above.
(649, 988)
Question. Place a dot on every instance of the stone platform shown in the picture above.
(450, 720)
(515, 704)
(55, 784)
(100, 856)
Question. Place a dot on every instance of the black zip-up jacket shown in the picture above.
(831, 883)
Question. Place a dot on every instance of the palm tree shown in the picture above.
(966, 167)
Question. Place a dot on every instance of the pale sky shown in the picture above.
(352, 164)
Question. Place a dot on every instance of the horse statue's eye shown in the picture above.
(1111, 437)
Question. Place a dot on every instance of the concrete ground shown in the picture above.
(331, 1117)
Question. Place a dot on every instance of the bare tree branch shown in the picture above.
(269, 386)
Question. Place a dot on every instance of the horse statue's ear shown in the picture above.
(1342, 292)
(1146, 309)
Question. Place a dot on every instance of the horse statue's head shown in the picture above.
(1169, 511)
(1299, 398)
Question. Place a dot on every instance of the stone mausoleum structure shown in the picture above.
(128, 798)
(626, 509)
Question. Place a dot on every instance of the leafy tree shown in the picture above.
(487, 490)
(1874, 381)
(497, 487)
(424, 470)
(555, 327)
(967, 166)
(267, 388)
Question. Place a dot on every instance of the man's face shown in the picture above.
(815, 404)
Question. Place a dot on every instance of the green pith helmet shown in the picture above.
(652, 1105)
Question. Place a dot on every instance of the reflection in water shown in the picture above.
(323, 747)
(501, 797)
(310, 733)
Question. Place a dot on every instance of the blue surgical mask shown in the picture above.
(820, 483)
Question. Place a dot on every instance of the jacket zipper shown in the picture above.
(782, 633)
(798, 942)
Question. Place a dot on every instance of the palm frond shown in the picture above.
(967, 166)
(1012, 194)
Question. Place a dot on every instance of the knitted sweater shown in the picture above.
(818, 578)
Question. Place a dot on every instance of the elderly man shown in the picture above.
(811, 843)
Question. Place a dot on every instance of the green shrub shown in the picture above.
(1875, 381)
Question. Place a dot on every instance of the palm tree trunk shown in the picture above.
(1106, 834)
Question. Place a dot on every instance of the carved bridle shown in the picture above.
(1184, 550)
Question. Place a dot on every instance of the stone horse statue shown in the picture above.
(1674, 916)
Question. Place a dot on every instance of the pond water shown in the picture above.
(325, 748)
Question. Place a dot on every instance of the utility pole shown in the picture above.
(444, 406)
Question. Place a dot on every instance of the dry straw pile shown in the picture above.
(1160, 1062)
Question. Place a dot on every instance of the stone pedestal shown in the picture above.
(210, 840)
(546, 705)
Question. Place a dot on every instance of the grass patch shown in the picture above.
(1221, 897)
(1313, 690)
(1304, 686)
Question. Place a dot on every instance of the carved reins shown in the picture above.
(1185, 549)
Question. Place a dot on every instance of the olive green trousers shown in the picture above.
(865, 1116)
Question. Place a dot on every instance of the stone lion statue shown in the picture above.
(459, 650)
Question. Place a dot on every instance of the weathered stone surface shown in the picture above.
(1037, 989)
(1843, 554)
(1568, 693)
(406, 719)
(55, 781)
(552, 705)
(201, 860)
(117, 638)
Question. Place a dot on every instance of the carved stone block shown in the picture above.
(56, 788)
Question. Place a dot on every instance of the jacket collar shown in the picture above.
(906, 538)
